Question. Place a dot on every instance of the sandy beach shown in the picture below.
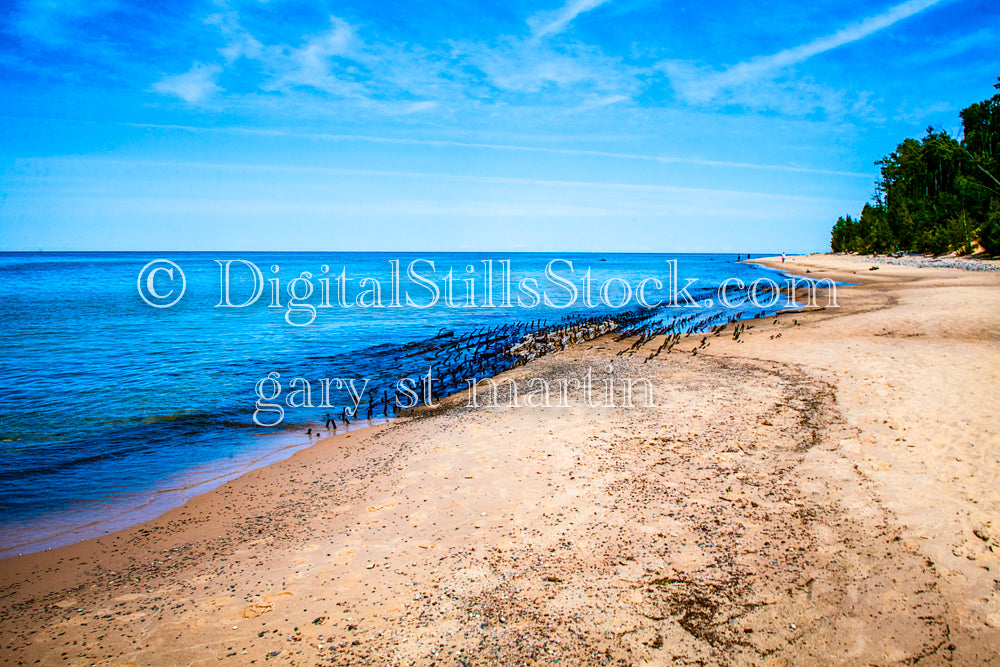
(822, 490)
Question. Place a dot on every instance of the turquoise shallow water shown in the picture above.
(114, 410)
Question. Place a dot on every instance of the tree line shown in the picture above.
(935, 195)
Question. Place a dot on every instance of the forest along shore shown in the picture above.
(821, 489)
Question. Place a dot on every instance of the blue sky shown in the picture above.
(587, 125)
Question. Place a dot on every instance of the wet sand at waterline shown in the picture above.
(824, 490)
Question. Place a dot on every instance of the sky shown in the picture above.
(526, 125)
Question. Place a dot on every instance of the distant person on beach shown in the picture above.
(782, 258)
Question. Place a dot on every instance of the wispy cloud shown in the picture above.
(663, 159)
(705, 193)
(571, 69)
(740, 83)
(527, 67)
(545, 24)
(333, 63)
(194, 86)
(758, 67)
(238, 42)
(395, 78)
(314, 63)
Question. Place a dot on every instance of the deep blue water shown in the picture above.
(110, 405)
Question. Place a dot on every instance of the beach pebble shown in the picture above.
(966, 264)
